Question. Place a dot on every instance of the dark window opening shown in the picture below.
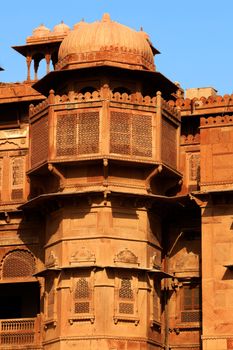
(188, 128)
(19, 300)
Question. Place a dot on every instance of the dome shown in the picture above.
(41, 31)
(105, 41)
(61, 28)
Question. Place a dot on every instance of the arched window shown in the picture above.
(82, 297)
(18, 263)
(126, 297)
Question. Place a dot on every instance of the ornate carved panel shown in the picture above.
(18, 264)
(82, 297)
(169, 143)
(194, 167)
(83, 255)
(66, 135)
(127, 257)
(39, 141)
(77, 133)
(131, 134)
(126, 308)
(17, 178)
(88, 133)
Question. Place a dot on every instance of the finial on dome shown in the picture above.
(106, 17)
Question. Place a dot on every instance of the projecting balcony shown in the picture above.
(20, 333)
(89, 126)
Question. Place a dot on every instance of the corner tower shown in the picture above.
(103, 153)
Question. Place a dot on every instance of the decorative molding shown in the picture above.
(81, 256)
(216, 337)
(119, 318)
(75, 318)
(216, 121)
(190, 139)
(203, 102)
(127, 257)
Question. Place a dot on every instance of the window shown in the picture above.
(126, 299)
(191, 306)
(77, 134)
(12, 176)
(17, 178)
(131, 134)
(18, 264)
(82, 297)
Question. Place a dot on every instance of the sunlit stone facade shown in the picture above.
(116, 209)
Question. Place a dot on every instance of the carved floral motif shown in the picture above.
(82, 255)
(127, 257)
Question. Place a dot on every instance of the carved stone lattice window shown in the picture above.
(18, 264)
(131, 134)
(82, 297)
(126, 299)
(191, 304)
(169, 142)
(67, 135)
(83, 302)
(12, 175)
(17, 178)
(77, 134)
(39, 141)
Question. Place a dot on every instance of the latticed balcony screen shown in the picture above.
(131, 134)
(39, 141)
(19, 263)
(169, 143)
(77, 134)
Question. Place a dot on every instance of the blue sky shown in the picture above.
(194, 37)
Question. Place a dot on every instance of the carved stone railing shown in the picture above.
(134, 98)
(70, 127)
(189, 139)
(95, 96)
(216, 121)
(19, 332)
(225, 101)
